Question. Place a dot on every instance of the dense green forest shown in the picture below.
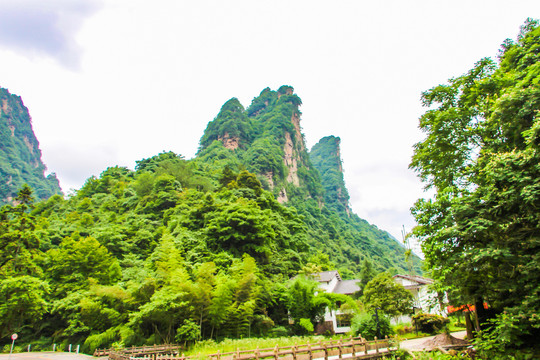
(20, 156)
(481, 155)
(179, 249)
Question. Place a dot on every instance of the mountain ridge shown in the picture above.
(20, 155)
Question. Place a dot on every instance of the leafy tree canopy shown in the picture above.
(480, 232)
(383, 293)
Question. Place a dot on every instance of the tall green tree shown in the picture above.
(22, 302)
(79, 260)
(306, 303)
(18, 241)
(480, 232)
(367, 273)
(383, 293)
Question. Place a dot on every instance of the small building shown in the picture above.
(335, 321)
(338, 322)
(425, 299)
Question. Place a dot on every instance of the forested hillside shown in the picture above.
(182, 249)
(20, 156)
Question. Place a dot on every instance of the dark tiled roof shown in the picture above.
(347, 287)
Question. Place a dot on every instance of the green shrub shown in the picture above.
(430, 323)
(188, 332)
(279, 331)
(305, 326)
(365, 325)
(402, 329)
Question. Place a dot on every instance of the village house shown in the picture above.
(334, 320)
(425, 299)
(338, 322)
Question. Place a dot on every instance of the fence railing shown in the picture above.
(351, 348)
(139, 351)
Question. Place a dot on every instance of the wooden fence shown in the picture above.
(139, 351)
(352, 348)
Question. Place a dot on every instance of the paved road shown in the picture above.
(46, 356)
(416, 344)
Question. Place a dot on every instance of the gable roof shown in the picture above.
(347, 287)
(326, 276)
(415, 278)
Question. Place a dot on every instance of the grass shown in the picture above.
(413, 335)
(207, 347)
(455, 327)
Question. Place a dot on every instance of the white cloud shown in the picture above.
(35, 28)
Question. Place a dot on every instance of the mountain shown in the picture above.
(20, 156)
(266, 139)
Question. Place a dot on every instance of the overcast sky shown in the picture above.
(114, 81)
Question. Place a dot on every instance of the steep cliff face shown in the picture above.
(20, 156)
(326, 158)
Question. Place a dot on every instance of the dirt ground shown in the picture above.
(427, 342)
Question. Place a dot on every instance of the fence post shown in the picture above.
(340, 348)
(294, 351)
(325, 352)
(376, 345)
(365, 345)
(309, 351)
(276, 349)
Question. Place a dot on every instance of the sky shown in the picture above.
(110, 82)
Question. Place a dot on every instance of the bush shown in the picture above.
(279, 331)
(430, 323)
(365, 325)
(402, 329)
(305, 326)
